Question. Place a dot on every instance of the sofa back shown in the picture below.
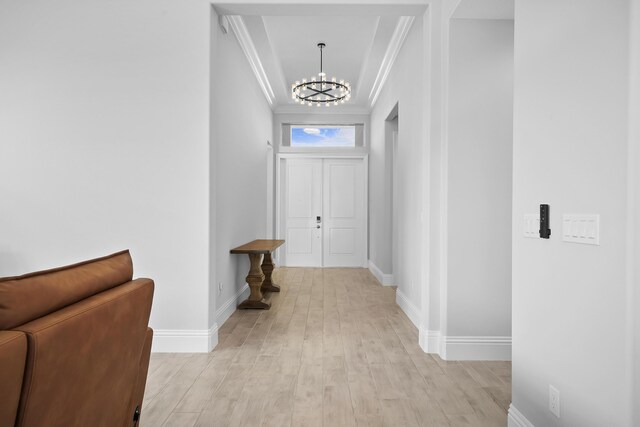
(81, 332)
(28, 297)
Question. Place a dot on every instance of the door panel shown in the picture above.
(303, 203)
(343, 221)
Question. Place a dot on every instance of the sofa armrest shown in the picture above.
(83, 360)
(13, 354)
(137, 397)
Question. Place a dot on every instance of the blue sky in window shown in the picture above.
(320, 136)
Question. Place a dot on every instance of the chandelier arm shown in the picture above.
(310, 98)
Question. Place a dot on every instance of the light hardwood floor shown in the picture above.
(334, 350)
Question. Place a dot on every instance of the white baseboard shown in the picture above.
(516, 419)
(185, 341)
(429, 341)
(464, 348)
(195, 340)
(384, 279)
(229, 307)
(407, 306)
(475, 348)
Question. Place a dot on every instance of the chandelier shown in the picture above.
(318, 90)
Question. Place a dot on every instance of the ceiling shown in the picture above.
(280, 41)
(355, 50)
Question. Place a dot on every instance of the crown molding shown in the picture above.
(399, 35)
(337, 109)
(244, 38)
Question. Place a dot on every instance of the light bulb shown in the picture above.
(304, 80)
(297, 82)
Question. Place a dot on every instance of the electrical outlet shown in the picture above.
(554, 401)
(220, 286)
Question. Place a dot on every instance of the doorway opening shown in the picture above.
(390, 251)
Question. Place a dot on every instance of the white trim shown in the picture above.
(384, 279)
(429, 341)
(249, 49)
(229, 307)
(516, 419)
(399, 34)
(319, 8)
(444, 177)
(475, 348)
(335, 110)
(365, 162)
(197, 340)
(407, 306)
(465, 348)
(185, 340)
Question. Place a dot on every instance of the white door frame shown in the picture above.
(365, 161)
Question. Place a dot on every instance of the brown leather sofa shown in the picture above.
(74, 345)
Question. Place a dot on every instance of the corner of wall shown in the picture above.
(384, 279)
(185, 340)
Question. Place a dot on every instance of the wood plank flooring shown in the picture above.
(334, 350)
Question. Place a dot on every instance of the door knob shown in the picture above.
(318, 226)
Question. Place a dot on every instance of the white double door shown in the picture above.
(323, 212)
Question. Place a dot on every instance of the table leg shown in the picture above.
(267, 267)
(254, 279)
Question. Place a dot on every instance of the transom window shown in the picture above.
(323, 136)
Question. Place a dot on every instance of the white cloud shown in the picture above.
(312, 131)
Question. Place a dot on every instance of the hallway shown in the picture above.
(334, 350)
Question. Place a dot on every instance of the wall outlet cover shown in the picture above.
(554, 401)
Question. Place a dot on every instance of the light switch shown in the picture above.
(581, 228)
(531, 225)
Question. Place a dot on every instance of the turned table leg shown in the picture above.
(267, 268)
(254, 279)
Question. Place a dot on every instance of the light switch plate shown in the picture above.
(581, 228)
(532, 225)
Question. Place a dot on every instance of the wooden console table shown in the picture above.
(259, 278)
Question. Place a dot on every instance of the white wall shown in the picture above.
(404, 82)
(244, 124)
(570, 317)
(634, 212)
(104, 142)
(479, 178)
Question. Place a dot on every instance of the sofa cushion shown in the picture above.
(28, 297)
